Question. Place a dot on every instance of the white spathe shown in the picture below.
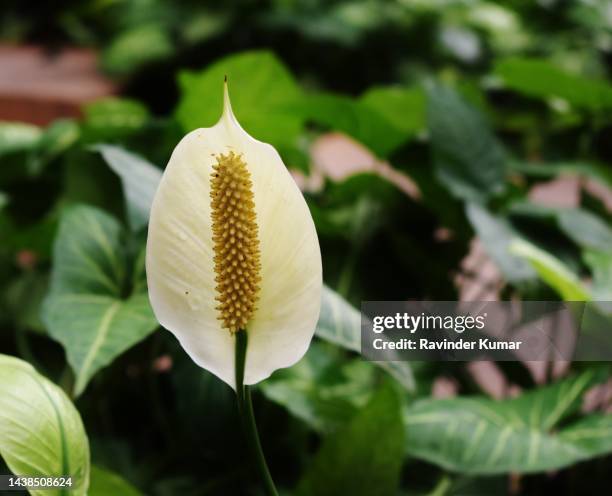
(179, 258)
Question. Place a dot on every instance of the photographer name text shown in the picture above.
(423, 322)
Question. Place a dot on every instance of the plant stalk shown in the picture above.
(245, 407)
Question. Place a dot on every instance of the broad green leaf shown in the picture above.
(106, 483)
(585, 229)
(16, 136)
(403, 107)
(321, 390)
(342, 113)
(41, 432)
(4, 200)
(591, 435)
(112, 118)
(139, 179)
(496, 233)
(469, 160)
(324, 389)
(484, 436)
(541, 79)
(136, 47)
(261, 89)
(87, 309)
(340, 323)
(552, 271)
(363, 458)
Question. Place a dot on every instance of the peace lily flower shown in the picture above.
(232, 246)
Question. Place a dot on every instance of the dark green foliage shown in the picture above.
(365, 456)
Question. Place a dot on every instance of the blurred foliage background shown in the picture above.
(448, 149)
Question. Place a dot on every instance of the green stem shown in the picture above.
(245, 407)
(442, 487)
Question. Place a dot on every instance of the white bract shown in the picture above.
(197, 284)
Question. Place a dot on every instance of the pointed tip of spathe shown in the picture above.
(227, 106)
(228, 118)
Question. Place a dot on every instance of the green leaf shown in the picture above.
(112, 118)
(485, 436)
(324, 389)
(260, 88)
(320, 389)
(541, 79)
(105, 483)
(139, 179)
(402, 107)
(363, 458)
(86, 309)
(342, 113)
(137, 47)
(469, 160)
(585, 229)
(592, 435)
(496, 234)
(16, 136)
(340, 323)
(552, 271)
(41, 432)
